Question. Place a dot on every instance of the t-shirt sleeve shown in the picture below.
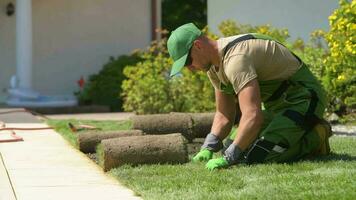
(239, 71)
(214, 80)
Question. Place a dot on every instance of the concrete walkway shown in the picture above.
(45, 166)
(94, 116)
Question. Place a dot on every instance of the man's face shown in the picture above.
(197, 59)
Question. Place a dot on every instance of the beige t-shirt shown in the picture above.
(251, 59)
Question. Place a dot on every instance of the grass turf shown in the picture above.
(329, 177)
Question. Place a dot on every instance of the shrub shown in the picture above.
(340, 71)
(149, 89)
(229, 28)
(313, 53)
(104, 88)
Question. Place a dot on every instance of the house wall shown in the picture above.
(74, 38)
(301, 17)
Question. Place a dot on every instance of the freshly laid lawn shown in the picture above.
(329, 177)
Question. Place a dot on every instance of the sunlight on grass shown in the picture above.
(330, 177)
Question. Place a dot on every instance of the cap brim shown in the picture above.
(178, 65)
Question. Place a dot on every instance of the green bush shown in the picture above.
(313, 53)
(104, 88)
(149, 89)
(229, 28)
(340, 71)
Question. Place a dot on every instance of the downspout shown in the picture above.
(155, 19)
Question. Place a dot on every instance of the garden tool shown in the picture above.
(82, 127)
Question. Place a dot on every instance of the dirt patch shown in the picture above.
(147, 149)
(87, 141)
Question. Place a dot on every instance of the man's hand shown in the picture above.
(217, 163)
(203, 155)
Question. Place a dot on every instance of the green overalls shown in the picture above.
(291, 109)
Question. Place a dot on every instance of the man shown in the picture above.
(254, 69)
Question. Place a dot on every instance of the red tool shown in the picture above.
(14, 138)
(82, 127)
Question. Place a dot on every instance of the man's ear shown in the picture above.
(198, 44)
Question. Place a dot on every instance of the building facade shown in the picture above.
(70, 39)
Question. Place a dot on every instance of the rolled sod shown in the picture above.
(147, 149)
(164, 124)
(194, 146)
(87, 141)
(202, 123)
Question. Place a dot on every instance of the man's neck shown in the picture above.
(215, 58)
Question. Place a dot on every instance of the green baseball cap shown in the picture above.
(179, 44)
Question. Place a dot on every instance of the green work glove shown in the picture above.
(217, 163)
(203, 155)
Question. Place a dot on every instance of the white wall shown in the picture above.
(301, 17)
(74, 38)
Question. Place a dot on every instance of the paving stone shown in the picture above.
(45, 166)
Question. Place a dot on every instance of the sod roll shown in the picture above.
(202, 123)
(194, 146)
(164, 124)
(87, 141)
(147, 149)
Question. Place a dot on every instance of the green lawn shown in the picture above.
(330, 177)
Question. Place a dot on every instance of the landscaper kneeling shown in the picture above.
(255, 69)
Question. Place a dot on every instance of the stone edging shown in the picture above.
(344, 130)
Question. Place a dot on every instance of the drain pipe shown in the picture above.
(155, 19)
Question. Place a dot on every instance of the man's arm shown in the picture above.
(225, 114)
(223, 121)
(249, 126)
(251, 115)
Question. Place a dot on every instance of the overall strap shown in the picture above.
(253, 36)
(237, 40)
